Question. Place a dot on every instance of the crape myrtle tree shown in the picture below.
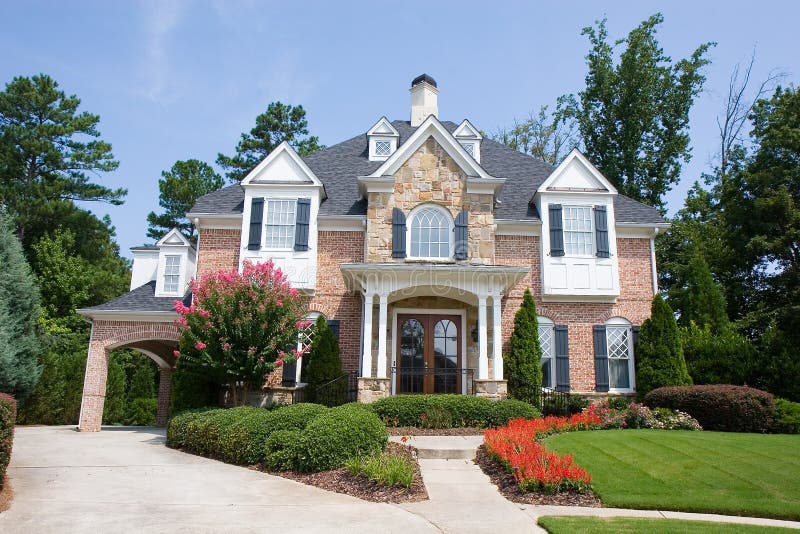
(239, 327)
(523, 363)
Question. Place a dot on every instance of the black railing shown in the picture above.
(335, 392)
(433, 380)
(555, 402)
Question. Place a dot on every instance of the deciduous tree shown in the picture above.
(544, 135)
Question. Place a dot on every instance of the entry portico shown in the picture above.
(423, 338)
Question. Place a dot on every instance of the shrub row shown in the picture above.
(8, 414)
(303, 437)
(787, 417)
(450, 411)
(719, 407)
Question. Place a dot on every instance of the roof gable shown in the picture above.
(174, 238)
(383, 128)
(431, 127)
(577, 173)
(282, 165)
(466, 130)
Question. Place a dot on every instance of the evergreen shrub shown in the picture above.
(523, 363)
(323, 363)
(787, 417)
(659, 353)
(8, 415)
(725, 407)
(461, 410)
(142, 412)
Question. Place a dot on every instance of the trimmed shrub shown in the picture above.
(8, 414)
(719, 407)
(787, 417)
(322, 361)
(294, 416)
(142, 412)
(659, 352)
(459, 410)
(178, 424)
(242, 435)
(523, 363)
(280, 449)
(338, 435)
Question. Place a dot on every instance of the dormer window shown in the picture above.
(172, 274)
(382, 139)
(470, 148)
(383, 148)
(431, 233)
(578, 232)
(279, 228)
(470, 139)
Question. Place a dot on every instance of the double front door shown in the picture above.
(429, 353)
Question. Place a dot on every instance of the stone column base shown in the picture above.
(491, 389)
(371, 389)
(277, 395)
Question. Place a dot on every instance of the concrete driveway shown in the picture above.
(126, 480)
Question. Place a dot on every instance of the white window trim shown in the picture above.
(591, 231)
(620, 322)
(267, 200)
(451, 232)
(312, 316)
(544, 322)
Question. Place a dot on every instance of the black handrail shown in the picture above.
(446, 380)
(334, 392)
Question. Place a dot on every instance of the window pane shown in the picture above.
(578, 236)
(619, 340)
(618, 374)
(430, 234)
(279, 229)
(547, 345)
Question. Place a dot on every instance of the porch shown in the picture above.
(431, 328)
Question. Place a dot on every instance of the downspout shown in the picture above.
(653, 260)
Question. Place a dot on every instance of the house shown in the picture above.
(417, 240)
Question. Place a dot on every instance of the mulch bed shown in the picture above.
(510, 490)
(341, 481)
(417, 431)
(5, 495)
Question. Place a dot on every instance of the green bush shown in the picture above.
(322, 362)
(523, 363)
(178, 424)
(8, 414)
(191, 390)
(142, 412)
(280, 449)
(787, 417)
(659, 352)
(385, 468)
(294, 416)
(114, 405)
(723, 357)
(458, 410)
(337, 435)
(719, 407)
(242, 435)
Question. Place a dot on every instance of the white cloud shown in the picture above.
(160, 19)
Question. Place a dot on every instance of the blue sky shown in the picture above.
(182, 79)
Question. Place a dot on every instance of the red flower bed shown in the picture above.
(534, 467)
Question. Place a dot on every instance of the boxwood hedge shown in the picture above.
(450, 411)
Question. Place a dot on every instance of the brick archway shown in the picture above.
(155, 340)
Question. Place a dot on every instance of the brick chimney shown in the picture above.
(424, 99)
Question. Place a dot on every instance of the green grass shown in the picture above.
(614, 525)
(718, 472)
(385, 468)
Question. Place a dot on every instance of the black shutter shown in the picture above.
(333, 326)
(398, 233)
(289, 375)
(301, 224)
(256, 220)
(635, 332)
(562, 358)
(600, 358)
(601, 231)
(461, 237)
(556, 231)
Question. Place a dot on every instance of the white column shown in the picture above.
(497, 338)
(366, 353)
(483, 358)
(382, 335)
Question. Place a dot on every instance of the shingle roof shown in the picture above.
(140, 299)
(339, 166)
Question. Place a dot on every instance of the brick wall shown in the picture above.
(218, 249)
(332, 299)
(633, 304)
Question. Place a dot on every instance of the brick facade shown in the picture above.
(218, 249)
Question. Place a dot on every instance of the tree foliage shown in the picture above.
(717, 356)
(239, 325)
(544, 135)
(19, 313)
(523, 363)
(633, 116)
(179, 188)
(700, 300)
(323, 362)
(279, 123)
(659, 353)
(48, 150)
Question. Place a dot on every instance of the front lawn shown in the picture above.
(631, 525)
(717, 472)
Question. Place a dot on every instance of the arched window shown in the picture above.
(619, 340)
(548, 344)
(431, 234)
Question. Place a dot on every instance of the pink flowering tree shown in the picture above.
(240, 326)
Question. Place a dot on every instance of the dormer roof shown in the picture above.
(174, 238)
(383, 128)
